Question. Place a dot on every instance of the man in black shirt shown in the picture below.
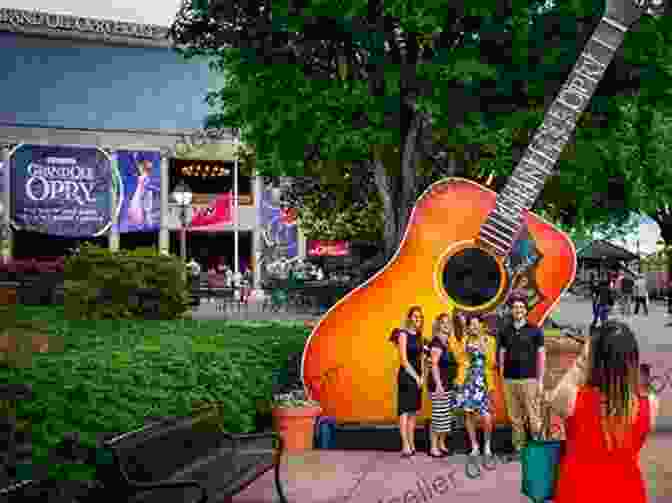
(521, 361)
(627, 288)
(605, 299)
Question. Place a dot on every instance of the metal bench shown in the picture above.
(175, 460)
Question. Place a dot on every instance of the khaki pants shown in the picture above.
(520, 396)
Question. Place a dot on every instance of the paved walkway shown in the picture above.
(331, 476)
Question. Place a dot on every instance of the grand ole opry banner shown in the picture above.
(62, 190)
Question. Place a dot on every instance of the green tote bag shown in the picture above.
(540, 460)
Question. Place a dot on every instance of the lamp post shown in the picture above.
(4, 231)
(182, 196)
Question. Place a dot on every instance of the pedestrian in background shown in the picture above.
(594, 290)
(627, 289)
(641, 294)
(605, 299)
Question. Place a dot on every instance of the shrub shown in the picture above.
(100, 284)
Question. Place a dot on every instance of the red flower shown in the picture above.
(288, 216)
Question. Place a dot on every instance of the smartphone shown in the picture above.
(644, 379)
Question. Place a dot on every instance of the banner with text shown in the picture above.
(62, 191)
(212, 212)
(322, 248)
(141, 180)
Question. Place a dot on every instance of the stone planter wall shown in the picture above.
(40, 289)
(15, 352)
(8, 294)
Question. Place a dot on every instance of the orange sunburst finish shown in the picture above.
(348, 363)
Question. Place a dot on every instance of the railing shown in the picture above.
(306, 296)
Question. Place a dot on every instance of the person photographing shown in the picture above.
(608, 414)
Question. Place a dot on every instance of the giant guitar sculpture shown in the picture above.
(465, 247)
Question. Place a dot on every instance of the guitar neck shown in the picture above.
(521, 191)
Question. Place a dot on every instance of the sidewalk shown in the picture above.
(331, 476)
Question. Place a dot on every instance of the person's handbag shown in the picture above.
(325, 429)
(540, 460)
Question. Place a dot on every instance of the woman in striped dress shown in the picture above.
(447, 357)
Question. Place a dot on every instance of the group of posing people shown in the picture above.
(604, 402)
(464, 359)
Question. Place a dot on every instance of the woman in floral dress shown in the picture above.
(476, 395)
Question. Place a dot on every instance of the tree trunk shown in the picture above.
(664, 221)
(398, 193)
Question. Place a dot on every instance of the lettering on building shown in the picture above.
(17, 19)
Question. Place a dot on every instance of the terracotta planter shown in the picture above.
(7, 295)
(40, 343)
(296, 426)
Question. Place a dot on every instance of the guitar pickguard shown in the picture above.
(521, 265)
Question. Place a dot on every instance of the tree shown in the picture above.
(315, 85)
(639, 150)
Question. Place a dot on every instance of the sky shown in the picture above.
(648, 233)
(158, 12)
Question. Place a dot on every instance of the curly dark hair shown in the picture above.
(518, 297)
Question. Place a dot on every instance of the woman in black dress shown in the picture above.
(409, 380)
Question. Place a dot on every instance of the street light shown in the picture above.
(4, 227)
(182, 196)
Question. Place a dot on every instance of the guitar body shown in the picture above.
(348, 363)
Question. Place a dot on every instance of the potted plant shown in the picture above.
(294, 416)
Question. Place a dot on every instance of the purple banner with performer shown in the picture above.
(140, 174)
(62, 191)
(279, 231)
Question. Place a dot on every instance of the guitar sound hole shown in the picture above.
(471, 277)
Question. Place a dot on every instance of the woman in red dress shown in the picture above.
(607, 421)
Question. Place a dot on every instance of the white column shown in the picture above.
(256, 236)
(302, 244)
(236, 219)
(113, 234)
(164, 236)
(7, 244)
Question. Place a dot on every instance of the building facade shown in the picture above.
(75, 86)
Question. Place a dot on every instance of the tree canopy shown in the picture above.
(322, 89)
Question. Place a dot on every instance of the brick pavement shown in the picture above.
(331, 476)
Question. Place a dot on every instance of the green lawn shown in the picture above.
(110, 375)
